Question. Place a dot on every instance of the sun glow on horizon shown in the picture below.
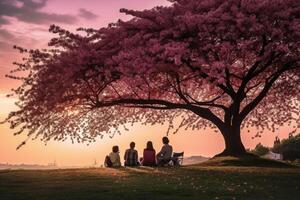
(198, 142)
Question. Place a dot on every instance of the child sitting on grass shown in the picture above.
(113, 159)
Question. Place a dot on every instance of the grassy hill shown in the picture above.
(246, 161)
(188, 182)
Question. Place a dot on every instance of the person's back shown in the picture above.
(131, 156)
(166, 151)
(149, 158)
(149, 155)
(115, 157)
(165, 154)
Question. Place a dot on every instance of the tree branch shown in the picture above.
(158, 103)
(207, 103)
(204, 75)
(268, 84)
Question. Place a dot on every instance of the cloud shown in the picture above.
(2, 19)
(29, 11)
(9, 38)
(6, 35)
(87, 14)
(6, 40)
(4, 46)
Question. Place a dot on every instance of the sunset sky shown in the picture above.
(26, 23)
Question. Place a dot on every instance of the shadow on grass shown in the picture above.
(246, 161)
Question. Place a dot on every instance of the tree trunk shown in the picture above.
(233, 142)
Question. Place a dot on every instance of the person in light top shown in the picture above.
(165, 154)
(115, 157)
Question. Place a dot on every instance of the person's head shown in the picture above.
(165, 140)
(115, 149)
(149, 146)
(132, 145)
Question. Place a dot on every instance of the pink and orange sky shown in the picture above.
(26, 23)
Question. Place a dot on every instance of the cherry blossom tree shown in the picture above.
(227, 65)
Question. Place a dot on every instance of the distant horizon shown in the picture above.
(98, 164)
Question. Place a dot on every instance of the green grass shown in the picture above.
(190, 182)
(246, 161)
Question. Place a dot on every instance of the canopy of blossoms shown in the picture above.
(212, 63)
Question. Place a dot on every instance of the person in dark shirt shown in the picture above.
(131, 156)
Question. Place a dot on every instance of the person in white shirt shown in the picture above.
(115, 157)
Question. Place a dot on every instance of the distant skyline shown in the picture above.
(25, 23)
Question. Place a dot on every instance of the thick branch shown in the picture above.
(269, 82)
(162, 104)
(204, 75)
(179, 90)
(228, 84)
(207, 103)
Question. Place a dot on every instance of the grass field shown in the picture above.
(190, 182)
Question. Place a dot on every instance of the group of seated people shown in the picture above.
(150, 158)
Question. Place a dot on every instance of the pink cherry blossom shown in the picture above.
(228, 65)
